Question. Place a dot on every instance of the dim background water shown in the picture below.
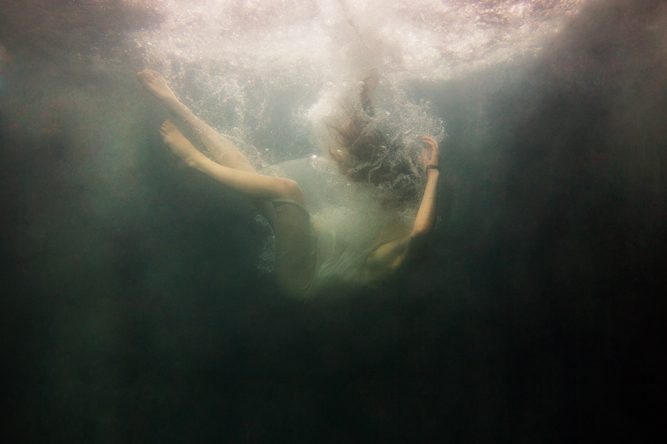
(133, 310)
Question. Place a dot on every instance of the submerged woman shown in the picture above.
(304, 253)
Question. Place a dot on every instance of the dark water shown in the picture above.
(133, 311)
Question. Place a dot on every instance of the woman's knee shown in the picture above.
(289, 189)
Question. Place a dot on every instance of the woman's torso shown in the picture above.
(349, 220)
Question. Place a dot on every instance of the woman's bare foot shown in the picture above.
(178, 143)
(156, 85)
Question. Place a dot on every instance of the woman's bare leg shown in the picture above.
(295, 244)
(252, 184)
(220, 147)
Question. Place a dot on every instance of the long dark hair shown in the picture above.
(368, 148)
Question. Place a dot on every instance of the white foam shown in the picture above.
(226, 57)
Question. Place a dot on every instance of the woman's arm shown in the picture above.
(389, 256)
(426, 214)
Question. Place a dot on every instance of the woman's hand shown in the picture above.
(430, 155)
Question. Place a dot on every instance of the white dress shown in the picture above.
(348, 218)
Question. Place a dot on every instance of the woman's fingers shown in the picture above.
(429, 140)
(432, 158)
